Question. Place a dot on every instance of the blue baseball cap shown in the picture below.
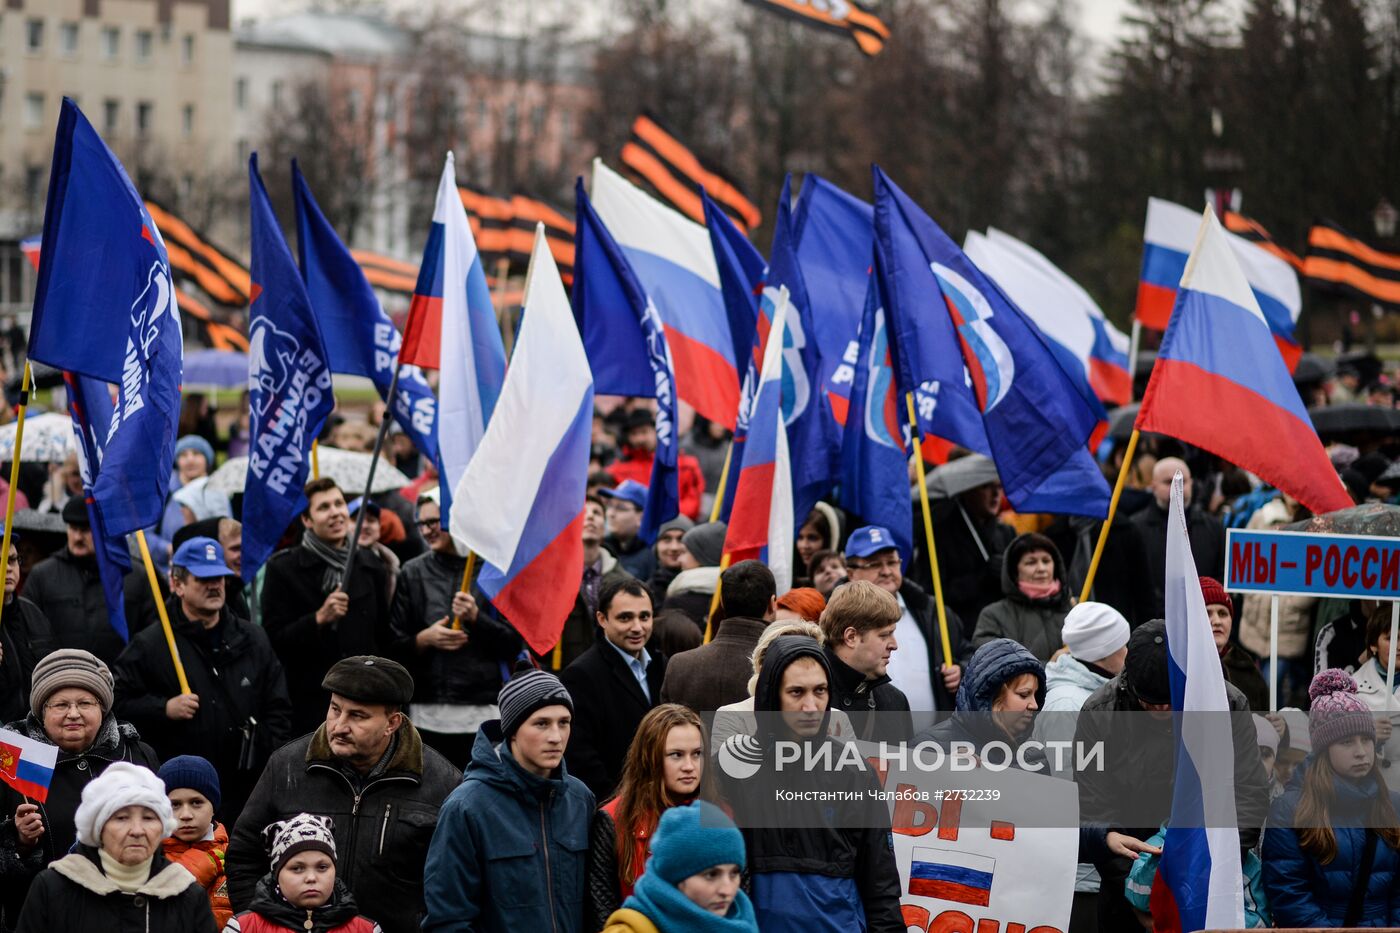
(872, 539)
(202, 557)
(358, 503)
(629, 491)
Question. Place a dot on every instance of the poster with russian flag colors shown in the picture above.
(27, 765)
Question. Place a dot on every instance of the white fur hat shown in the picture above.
(121, 785)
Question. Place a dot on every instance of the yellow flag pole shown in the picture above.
(466, 586)
(160, 608)
(315, 461)
(723, 482)
(24, 381)
(1112, 510)
(928, 533)
(715, 600)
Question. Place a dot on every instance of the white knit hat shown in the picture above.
(1093, 631)
(121, 785)
(1266, 734)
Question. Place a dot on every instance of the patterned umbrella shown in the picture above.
(348, 468)
(48, 438)
(1371, 518)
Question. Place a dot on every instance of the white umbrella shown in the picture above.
(348, 468)
(958, 476)
(48, 438)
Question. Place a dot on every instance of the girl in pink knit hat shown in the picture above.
(1330, 849)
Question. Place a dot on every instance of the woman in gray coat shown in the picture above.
(1033, 611)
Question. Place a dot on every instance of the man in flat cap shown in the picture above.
(366, 768)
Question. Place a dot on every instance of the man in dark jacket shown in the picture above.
(918, 669)
(456, 669)
(368, 770)
(801, 853)
(1132, 788)
(25, 637)
(317, 613)
(237, 712)
(68, 591)
(1205, 532)
(970, 539)
(599, 567)
(858, 629)
(717, 674)
(625, 506)
(616, 682)
(510, 850)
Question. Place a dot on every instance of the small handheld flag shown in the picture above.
(27, 765)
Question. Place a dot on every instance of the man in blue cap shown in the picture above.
(236, 712)
(918, 668)
(625, 506)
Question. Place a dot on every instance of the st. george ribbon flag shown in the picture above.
(289, 385)
(627, 349)
(875, 445)
(1219, 384)
(1201, 853)
(761, 526)
(521, 498)
(983, 374)
(451, 318)
(102, 253)
(360, 338)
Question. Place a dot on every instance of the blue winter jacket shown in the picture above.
(1304, 893)
(509, 849)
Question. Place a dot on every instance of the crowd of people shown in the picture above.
(362, 746)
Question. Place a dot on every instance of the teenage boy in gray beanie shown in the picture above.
(511, 841)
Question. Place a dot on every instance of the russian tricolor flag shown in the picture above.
(961, 877)
(1170, 231)
(1201, 852)
(27, 765)
(761, 524)
(675, 263)
(521, 497)
(1218, 384)
(450, 317)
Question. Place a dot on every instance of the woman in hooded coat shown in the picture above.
(1032, 613)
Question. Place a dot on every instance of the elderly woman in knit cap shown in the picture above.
(691, 884)
(71, 707)
(118, 878)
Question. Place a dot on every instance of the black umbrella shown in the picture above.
(1312, 368)
(1120, 422)
(1354, 417)
(1370, 518)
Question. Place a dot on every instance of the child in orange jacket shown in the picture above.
(199, 843)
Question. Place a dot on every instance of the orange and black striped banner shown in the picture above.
(660, 160)
(217, 335)
(1254, 232)
(1338, 261)
(223, 278)
(504, 229)
(843, 16)
(392, 275)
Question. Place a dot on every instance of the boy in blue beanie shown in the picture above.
(198, 843)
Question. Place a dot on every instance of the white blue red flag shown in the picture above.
(627, 350)
(450, 317)
(105, 308)
(360, 338)
(986, 377)
(27, 765)
(521, 498)
(290, 392)
(1218, 384)
(675, 264)
(761, 524)
(1167, 241)
(1201, 853)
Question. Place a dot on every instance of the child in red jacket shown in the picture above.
(302, 892)
(199, 843)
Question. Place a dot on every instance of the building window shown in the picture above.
(34, 35)
(33, 110)
(187, 50)
(352, 105)
(68, 38)
(483, 114)
(566, 127)
(187, 120)
(111, 114)
(243, 151)
(240, 93)
(111, 43)
(537, 121)
(143, 117)
(276, 93)
(33, 178)
(511, 122)
(186, 189)
(144, 40)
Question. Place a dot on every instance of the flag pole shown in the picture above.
(315, 460)
(466, 586)
(1112, 510)
(160, 608)
(24, 380)
(353, 544)
(928, 532)
(720, 490)
(1133, 343)
(715, 599)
